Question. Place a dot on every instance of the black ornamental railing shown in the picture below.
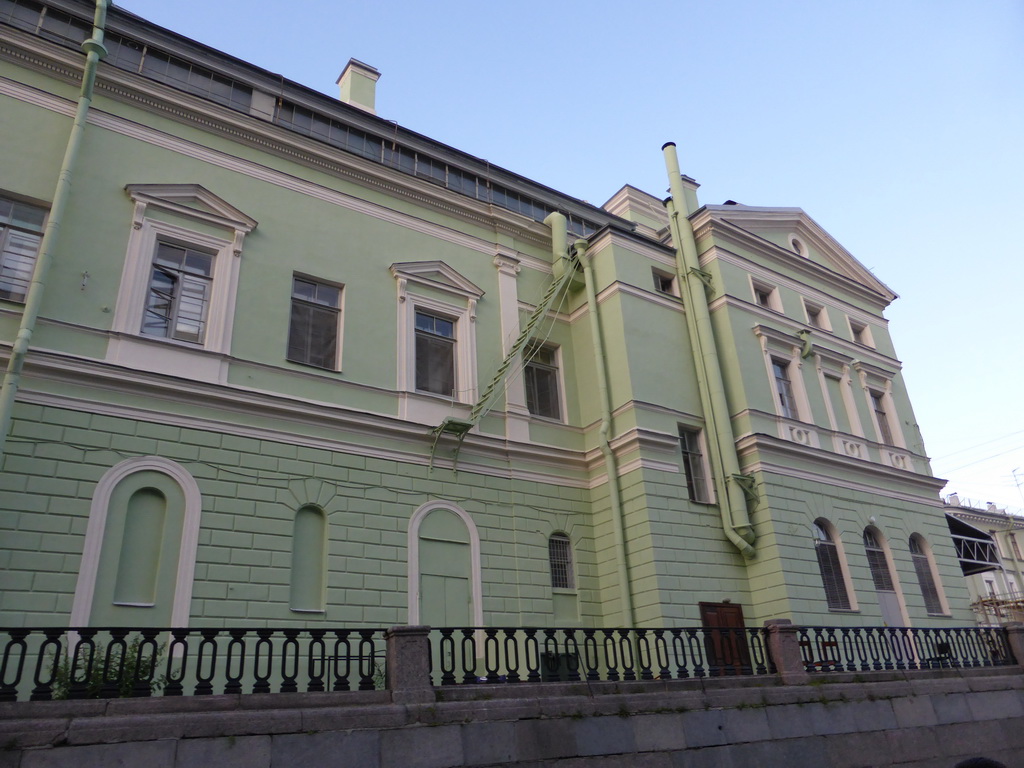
(466, 655)
(41, 664)
(90, 662)
(865, 649)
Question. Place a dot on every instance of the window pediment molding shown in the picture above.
(434, 274)
(774, 338)
(189, 200)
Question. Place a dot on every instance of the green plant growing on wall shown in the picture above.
(65, 677)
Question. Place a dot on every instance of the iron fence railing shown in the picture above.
(863, 649)
(463, 655)
(90, 662)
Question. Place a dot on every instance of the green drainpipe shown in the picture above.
(725, 463)
(94, 51)
(557, 223)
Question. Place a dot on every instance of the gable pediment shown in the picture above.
(190, 200)
(773, 227)
(438, 275)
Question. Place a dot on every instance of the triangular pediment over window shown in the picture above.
(190, 200)
(436, 274)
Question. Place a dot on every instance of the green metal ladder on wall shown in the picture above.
(459, 428)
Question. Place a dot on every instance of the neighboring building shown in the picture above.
(297, 363)
(988, 543)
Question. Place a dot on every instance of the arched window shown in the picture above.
(924, 568)
(309, 544)
(560, 561)
(886, 587)
(877, 562)
(830, 565)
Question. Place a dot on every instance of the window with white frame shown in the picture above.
(560, 561)
(766, 295)
(817, 316)
(314, 327)
(436, 335)
(178, 282)
(665, 282)
(861, 333)
(830, 566)
(924, 568)
(435, 354)
(693, 465)
(881, 416)
(21, 232)
(178, 298)
(540, 374)
(784, 388)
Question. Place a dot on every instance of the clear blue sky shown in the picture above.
(896, 124)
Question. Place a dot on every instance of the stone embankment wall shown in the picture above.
(927, 719)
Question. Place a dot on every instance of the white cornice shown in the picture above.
(835, 469)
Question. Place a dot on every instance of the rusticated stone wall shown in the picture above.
(926, 719)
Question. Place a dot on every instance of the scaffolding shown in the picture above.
(995, 610)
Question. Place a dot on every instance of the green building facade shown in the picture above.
(296, 365)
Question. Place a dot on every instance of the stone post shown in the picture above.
(408, 665)
(784, 649)
(1015, 637)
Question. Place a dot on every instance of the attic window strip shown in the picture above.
(394, 155)
(127, 54)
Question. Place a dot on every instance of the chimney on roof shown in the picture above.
(358, 85)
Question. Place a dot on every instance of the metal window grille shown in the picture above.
(560, 559)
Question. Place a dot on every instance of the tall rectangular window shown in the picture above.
(834, 387)
(693, 465)
(784, 388)
(560, 560)
(21, 231)
(923, 569)
(541, 377)
(313, 331)
(435, 354)
(878, 405)
(179, 293)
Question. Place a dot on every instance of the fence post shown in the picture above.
(1015, 637)
(784, 649)
(408, 664)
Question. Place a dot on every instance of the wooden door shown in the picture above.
(725, 639)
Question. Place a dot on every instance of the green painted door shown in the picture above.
(444, 583)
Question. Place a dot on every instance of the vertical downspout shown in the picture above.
(557, 223)
(94, 51)
(725, 462)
